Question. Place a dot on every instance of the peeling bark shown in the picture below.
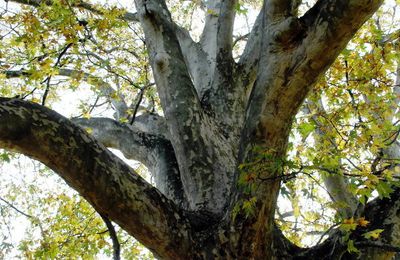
(112, 188)
(154, 151)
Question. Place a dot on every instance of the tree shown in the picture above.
(219, 149)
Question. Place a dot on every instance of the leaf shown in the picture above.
(306, 128)
(5, 157)
(89, 130)
(212, 12)
(123, 120)
(86, 115)
(384, 189)
(374, 234)
(348, 225)
(351, 248)
(362, 222)
(249, 206)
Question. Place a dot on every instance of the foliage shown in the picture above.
(53, 221)
(344, 127)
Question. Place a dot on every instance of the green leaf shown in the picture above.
(384, 189)
(5, 157)
(306, 128)
(374, 234)
(351, 248)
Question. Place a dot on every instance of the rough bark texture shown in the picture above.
(216, 112)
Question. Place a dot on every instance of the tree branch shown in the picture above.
(114, 238)
(189, 126)
(106, 89)
(101, 178)
(278, 9)
(153, 150)
(129, 17)
(294, 56)
(132, 142)
(224, 97)
(217, 32)
(380, 245)
(196, 60)
(169, 67)
(18, 210)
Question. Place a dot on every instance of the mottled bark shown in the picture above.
(192, 132)
(113, 188)
(149, 148)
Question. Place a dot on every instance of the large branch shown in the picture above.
(223, 97)
(113, 188)
(152, 150)
(167, 61)
(216, 38)
(197, 61)
(192, 133)
(251, 54)
(295, 55)
(279, 8)
(382, 213)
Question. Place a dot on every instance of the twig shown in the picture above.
(16, 209)
(47, 80)
(141, 93)
(114, 238)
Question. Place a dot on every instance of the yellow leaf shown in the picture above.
(374, 234)
(89, 130)
(349, 221)
(212, 12)
(86, 115)
(362, 222)
(35, 100)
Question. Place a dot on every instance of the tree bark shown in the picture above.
(106, 182)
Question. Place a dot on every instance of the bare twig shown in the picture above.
(114, 238)
(46, 92)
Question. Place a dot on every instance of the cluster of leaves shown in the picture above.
(266, 167)
(53, 221)
(345, 129)
(350, 225)
(39, 41)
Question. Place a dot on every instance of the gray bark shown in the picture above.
(151, 149)
(106, 182)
